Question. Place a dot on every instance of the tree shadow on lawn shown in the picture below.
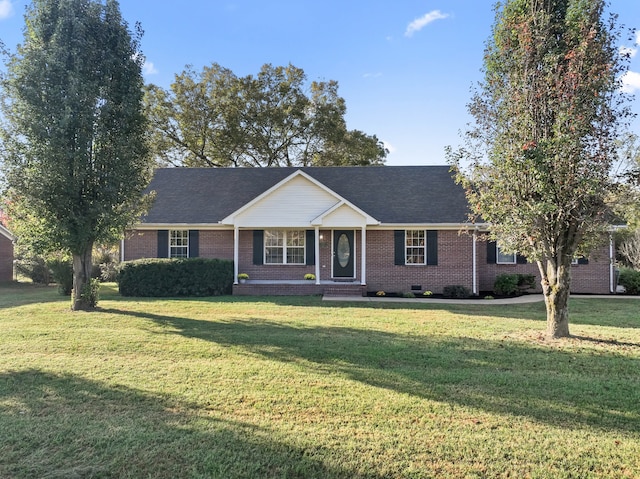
(68, 426)
(562, 388)
(612, 312)
(14, 294)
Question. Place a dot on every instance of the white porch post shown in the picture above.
(317, 249)
(236, 253)
(475, 266)
(122, 250)
(612, 260)
(363, 257)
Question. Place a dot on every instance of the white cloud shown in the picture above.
(631, 82)
(419, 23)
(148, 68)
(6, 9)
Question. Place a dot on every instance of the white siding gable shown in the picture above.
(342, 216)
(294, 204)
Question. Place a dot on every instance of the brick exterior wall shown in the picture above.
(455, 257)
(591, 278)
(453, 268)
(6, 259)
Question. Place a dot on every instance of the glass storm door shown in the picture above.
(343, 254)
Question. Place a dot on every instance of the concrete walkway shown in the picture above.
(527, 298)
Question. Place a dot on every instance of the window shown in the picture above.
(504, 258)
(415, 247)
(178, 244)
(284, 246)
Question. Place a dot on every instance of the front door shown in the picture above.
(343, 254)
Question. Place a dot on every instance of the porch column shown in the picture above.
(122, 250)
(612, 260)
(475, 266)
(317, 248)
(236, 254)
(363, 257)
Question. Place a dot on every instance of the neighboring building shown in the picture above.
(6, 254)
(357, 229)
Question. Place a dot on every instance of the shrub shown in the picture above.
(91, 293)
(630, 279)
(408, 294)
(175, 277)
(310, 277)
(526, 281)
(62, 273)
(35, 268)
(506, 284)
(456, 291)
(511, 284)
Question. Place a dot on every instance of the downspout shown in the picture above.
(236, 256)
(363, 257)
(317, 249)
(612, 258)
(474, 265)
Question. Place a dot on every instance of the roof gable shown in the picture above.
(296, 201)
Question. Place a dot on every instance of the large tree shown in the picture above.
(538, 158)
(73, 140)
(216, 119)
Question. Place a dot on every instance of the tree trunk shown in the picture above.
(556, 283)
(81, 277)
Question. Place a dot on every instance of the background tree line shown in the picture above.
(217, 119)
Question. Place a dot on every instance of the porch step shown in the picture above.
(343, 290)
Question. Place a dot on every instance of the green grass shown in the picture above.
(297, 388)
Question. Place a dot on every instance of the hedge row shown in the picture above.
(175, 277)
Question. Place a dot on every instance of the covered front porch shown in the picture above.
(300, 229)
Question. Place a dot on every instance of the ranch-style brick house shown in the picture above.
(356, 229)
(6, 255)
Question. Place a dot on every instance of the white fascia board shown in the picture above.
(427, 226)
(7, 234)
(178, 226)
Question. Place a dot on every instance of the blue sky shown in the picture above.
(405, 67)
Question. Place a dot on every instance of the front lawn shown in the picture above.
(297, 388)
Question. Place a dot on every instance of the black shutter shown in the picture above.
(163, 243)
(194, 243)
(491, 252)
(258, 246)
(583, 260)
(399, 251)
(521, 259)
(310, 246)
(432, 247)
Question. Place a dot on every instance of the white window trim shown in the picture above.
(284, 248)
(172, 247)
(514, 261)
(406, 248)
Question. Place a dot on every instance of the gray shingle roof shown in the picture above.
(391, 194)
